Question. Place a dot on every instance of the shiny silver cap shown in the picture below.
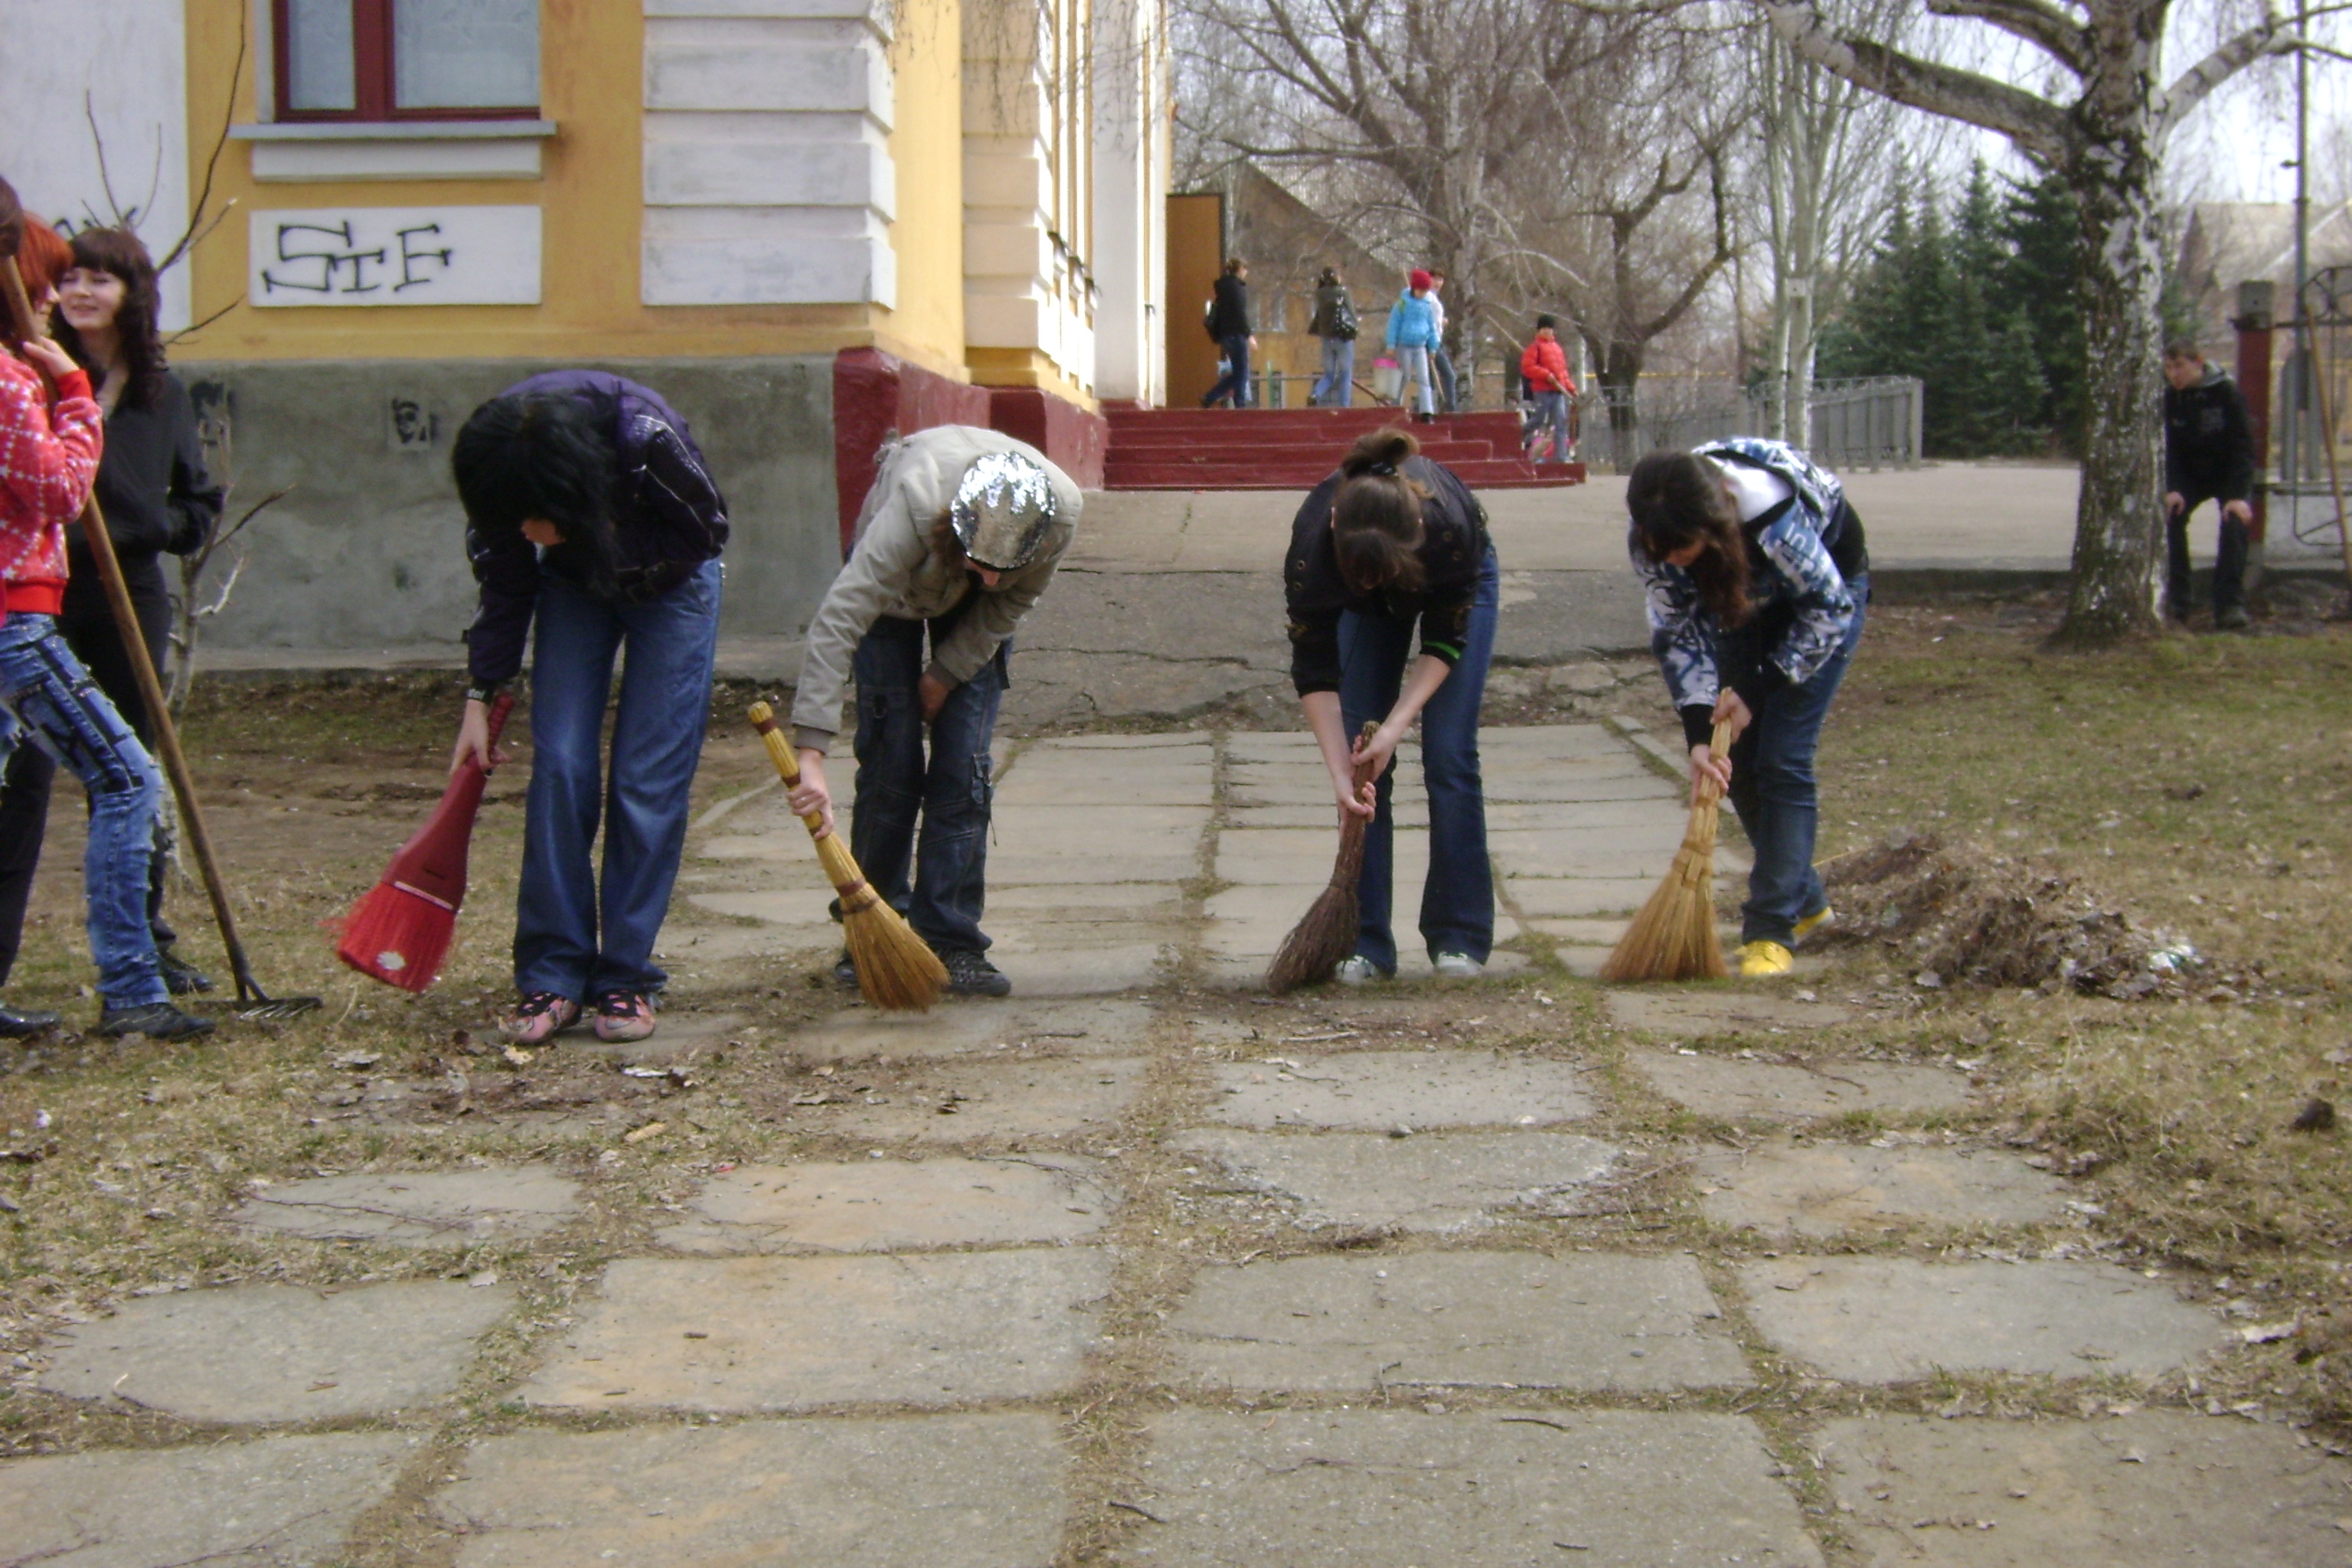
(1001, 509)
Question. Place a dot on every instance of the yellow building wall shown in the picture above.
(591, 69)
(927, 155)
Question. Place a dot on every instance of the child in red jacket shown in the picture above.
(49, 449)
(1544, 369)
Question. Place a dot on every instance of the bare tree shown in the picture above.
(1426, 120)
(1828, 145)
(2103, 124)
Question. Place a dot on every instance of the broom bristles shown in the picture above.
(397, 937)
(1319, 943)
(1673, 937)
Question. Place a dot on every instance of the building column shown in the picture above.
(768, 177)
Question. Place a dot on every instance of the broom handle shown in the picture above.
(1717, 744)
(840, 866)
(23, 325)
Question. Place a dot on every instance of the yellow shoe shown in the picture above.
(1812, 924)
(1763, 960)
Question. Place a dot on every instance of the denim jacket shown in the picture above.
(1804, 604)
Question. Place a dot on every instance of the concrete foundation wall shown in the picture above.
(367, 549)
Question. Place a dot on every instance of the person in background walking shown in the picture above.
(1758, 578)
(1544, 368)
(1389, 541)
(1229, 323)
(589, 509)
(157, 498)
(1412, 335)
(1335, 322)
(1449, 390)
(51, 435)
(2209, 454)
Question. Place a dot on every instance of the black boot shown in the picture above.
(181, 978)
(971, 975)
(844, 971)
(156, 1020)
(20, 1023)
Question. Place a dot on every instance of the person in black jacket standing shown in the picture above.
(158, 501)
(2209, 454)
(1229, 323)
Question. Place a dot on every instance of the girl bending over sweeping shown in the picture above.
(1757, 580)
(589, 508)
(1390, 540)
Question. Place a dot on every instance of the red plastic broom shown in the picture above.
(399, 933)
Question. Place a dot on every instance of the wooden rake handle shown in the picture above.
(840, 866)
(23, 325)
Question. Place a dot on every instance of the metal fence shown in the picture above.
(1869, 423)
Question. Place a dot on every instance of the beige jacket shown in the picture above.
(894, 571)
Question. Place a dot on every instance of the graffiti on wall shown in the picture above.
(395, 256)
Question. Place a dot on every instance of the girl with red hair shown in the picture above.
(49, 449)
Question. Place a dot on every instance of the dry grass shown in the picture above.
(2200, 783)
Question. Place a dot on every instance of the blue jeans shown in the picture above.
(1457, 903)
(573, 937)
(1336, 388)
(1448, 389)
(1772, 790)
(1551, 409)
(46, 696)
(1415, 394)
(950, 792)
(1236, 382)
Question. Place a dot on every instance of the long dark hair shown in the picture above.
(546, 456)
(12, 219)
(1375, 527)
(1677, 500)
(118, 252)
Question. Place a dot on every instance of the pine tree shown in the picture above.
(2039, 281)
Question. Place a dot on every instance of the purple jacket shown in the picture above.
(668, 518)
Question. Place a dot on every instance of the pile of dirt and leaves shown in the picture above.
(1959, 917)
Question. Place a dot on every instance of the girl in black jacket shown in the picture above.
(1390, 541)
(158, 501)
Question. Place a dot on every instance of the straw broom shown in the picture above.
(1324, 938)
(896, 970)
(1673, 937)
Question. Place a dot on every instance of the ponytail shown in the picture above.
(1677, 500)
(1376, 529)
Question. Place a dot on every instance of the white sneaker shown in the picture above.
(1357, 971)
(1457, 967)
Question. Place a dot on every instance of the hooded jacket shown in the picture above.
(2209, 439)
(1414, 321)
(668, 518)
(1804, 555)
(895, 569)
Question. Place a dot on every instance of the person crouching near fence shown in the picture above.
(589, 509)
(1391, 541)
(1757, 580)
(957, 540)
(49, 449)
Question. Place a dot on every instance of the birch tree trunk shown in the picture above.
(2109, 139)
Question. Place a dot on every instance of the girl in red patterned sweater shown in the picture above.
(49, 449)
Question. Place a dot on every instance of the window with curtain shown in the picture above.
(408, 59)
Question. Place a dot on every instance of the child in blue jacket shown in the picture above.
(1412, 336)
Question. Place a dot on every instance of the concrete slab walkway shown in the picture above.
(1134, 1266)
